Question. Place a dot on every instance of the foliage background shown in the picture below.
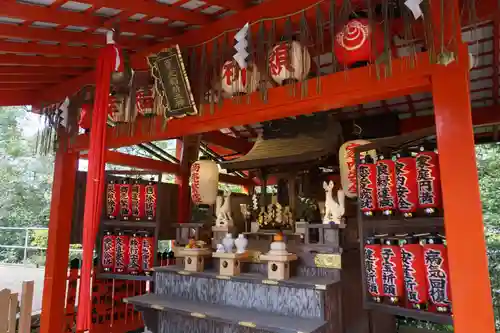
(26, 180)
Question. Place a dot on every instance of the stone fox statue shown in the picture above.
(334, 209)
(223, 210)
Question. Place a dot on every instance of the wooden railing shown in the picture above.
(9, 307)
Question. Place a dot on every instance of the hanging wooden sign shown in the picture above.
(172, 83)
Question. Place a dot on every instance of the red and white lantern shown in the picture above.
(150, 200)
(125, 200)
(289, 62)
(357, 43)
(392, 271)
(134, 254)
(428, 181)
(406, 184)
(347, 163)
(108, 251)
(367, 186)
(373, 269)
(414, 273)
(438, 274)
(145, 102)
(121, 252)
(239, 81)
(147, 253)
(386, 185)
(138, 195)
(112, 200)
(204, 182)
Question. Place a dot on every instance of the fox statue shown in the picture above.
(334, 209)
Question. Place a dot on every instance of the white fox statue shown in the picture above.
(334, 209)
(223, 210)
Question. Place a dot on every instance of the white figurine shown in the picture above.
(220, 248)
(334, 209)
(228, 243)
(241, 243)
(223, 210)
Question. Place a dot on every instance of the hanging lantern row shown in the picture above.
(403, 185)
(127, 253)
(131, 200)
(408, 272)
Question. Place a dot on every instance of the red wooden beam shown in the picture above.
(37, 71)
(14, 98)
(61, 50)
(49, 78)
(22, 86)
(237, 5)
(59, 92)
(37, 34)
(358, 86)
(226, 141)
(9, 60)
(154, 9)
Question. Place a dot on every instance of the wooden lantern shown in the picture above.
(289, 62)
(204, 182)
(239, 81)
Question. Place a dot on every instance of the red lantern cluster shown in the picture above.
(126, 201)
(127, 253)
(408, 272)
(404, 186)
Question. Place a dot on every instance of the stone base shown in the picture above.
(194, 259)
(278, 265)
(230, 263)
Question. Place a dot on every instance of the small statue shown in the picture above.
(334, 209)
(223, 210)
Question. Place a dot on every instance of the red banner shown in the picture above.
(108, 251)
(414, 273)
(125, 200)
(429, 181)
(148, 253)
(373, 269)
(386, 186)
(406, 185)
(367, 177)
(392, 271)
(134, 254)
(150, 200)
(137, 196)
(438, 276)
(112, 193)
(121, 252)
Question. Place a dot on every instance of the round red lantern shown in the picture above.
(428, 181)
(373, 269)
(386, 185)
(367, 186)
(406, 184)
(204, 182)
(239, 81)
(357, 44)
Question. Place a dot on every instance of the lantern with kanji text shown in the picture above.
(147, 253)
(204, 182)
(239, 81)
(386, 185)
(414, 273)
(150, 200)
(289, 62)
(367, 186)
(392, 271)
(112, 200)
(125, 199)
(347, 163)
(358, 43)
(108, 251)
(373, 269)
(138, 196)
(437, 272)
(134, 254)
(121, 252)
(428, 180)
(406, 184)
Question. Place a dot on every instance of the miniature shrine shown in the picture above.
(343, 120)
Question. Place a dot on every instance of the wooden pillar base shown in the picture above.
(278, 266)
(229, 263)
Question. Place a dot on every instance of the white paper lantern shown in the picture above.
(237, 81)
(289, 61)
(347, 163)
(204, 182)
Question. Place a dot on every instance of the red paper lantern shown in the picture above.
(125, 200)
(367, 178)
(373, 269)
(121, 252)
(414, 273)
(85, 120)
(145, 102)
(150, 200)
(438, 276)
(137, 191)
(392, 271)
(428, 181)
(406, 185)
(108, 251)
(356, 43)
(134, 254)
(386, 186)
(148, 253)
(112, 198)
